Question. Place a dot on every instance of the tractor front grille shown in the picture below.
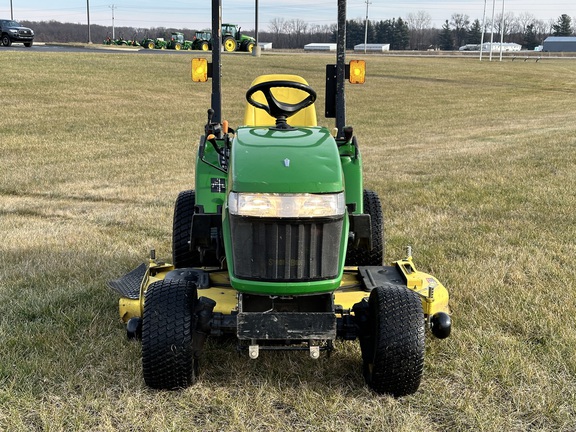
(285, 250)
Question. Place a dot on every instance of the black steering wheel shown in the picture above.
(277, 109)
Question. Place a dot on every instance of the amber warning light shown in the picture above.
(200, 70)
(357, 71)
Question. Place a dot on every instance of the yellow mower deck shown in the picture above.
(356, 284)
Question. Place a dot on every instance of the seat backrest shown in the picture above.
(258, 117)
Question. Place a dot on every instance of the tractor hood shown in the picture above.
(300, 160)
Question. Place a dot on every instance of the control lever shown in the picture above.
(212, 140)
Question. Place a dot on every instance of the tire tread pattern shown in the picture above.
(374, 256)
(167, 328)
(182, 256)
(397, 348)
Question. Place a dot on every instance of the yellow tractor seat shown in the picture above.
(258, 117)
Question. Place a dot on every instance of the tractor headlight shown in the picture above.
(286, 205)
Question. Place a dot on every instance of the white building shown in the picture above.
(372, 47)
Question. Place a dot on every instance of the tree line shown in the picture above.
(413, 33)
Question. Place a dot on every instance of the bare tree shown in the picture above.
(508, 20)
(461, 24)
(418, 23)
(297, 28)
(541, 28)
(279, 29)
(525, 19)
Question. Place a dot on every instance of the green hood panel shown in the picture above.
(285, 161)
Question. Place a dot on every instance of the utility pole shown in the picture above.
(113, 7)
(502, 31)
(256, 49)
(492, 30)
(366, 26)
(88, 15)
(483, 30)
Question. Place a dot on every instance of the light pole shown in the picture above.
(113, 7)
(492, 29)
(483, 30)
(366, 27)
(502, 31)
(88, 15)
(256, 48)
(11, 11)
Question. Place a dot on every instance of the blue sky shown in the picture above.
(195, 14)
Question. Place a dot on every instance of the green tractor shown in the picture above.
(234, 40)
(177, 42)
(202, 41)
(280, 245)
(157, 43)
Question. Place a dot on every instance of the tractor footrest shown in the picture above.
(128, 286)
(374, 276)
(287, 325)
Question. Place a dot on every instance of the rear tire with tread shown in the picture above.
(370, 257)
(230, 44)
(168, 324)
(182, 255)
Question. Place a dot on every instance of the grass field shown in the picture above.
(475, 163)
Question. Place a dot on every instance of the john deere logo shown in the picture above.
(286, 162)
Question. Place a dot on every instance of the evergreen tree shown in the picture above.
(354, 33)
(384, 32)
(530, 39)
(474, 35)
(401, 35)
(563, 26)
(445, 41)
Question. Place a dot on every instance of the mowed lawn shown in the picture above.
(474, 162)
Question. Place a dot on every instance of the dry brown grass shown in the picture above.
(474, 163)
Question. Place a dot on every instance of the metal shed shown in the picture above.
(560, 44)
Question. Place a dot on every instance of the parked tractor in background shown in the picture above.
(157, 43)
(177, 42)
(120, 42)
(202, 41)
(234, 40)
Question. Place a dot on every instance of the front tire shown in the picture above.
(168, 324)
(393, 354)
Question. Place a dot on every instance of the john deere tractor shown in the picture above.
(157, 43)
(202, 41)
(177, 42)
(280, 244)
(234, 40)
